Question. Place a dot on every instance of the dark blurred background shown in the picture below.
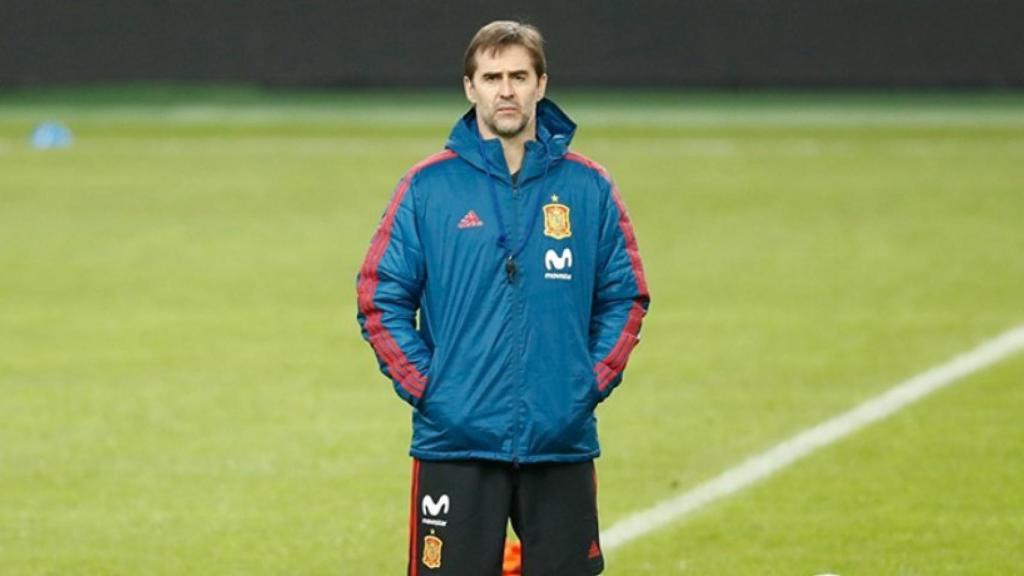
(407, 43)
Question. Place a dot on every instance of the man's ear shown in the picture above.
(467, 85)
(542, 86)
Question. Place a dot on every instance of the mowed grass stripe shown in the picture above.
(590, 108)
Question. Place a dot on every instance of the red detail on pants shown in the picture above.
(414, 520)
(513, 562)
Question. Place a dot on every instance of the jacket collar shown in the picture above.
(554, 133)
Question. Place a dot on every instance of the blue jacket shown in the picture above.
(530, 297)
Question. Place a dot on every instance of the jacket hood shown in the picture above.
(554, 134)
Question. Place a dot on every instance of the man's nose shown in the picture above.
(506, 88)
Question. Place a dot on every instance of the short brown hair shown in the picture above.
(500, 34)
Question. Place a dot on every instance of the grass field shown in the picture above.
(183, 387)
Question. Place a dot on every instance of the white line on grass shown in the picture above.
(761, 466)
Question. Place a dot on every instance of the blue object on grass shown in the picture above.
(51, 135)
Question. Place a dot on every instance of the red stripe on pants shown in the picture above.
(414, 520)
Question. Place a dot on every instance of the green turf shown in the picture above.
(184, 389)
(936, 490)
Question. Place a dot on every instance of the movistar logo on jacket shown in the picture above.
(554, 264)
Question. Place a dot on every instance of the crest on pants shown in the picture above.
(556, 220)
(432, 551)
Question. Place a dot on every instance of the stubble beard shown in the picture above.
(507, 130)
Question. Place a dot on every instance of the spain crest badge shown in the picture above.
(432, 551)
(556, 220)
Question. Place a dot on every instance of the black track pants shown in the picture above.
(460, 510)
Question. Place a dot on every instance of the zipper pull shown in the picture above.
(511, 269)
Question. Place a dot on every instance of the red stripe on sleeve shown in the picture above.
(615, 362)
(381, 339)
(624, 223)
(631, 248)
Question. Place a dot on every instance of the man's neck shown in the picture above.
(514, 148)
(514, 151)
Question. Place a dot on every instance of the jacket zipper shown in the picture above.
(517, 296)
(511, 266)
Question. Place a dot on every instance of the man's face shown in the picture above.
(505, 90)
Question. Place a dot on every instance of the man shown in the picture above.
(521, 260)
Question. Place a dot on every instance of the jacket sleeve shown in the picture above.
(621, 298)
(388, 286)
